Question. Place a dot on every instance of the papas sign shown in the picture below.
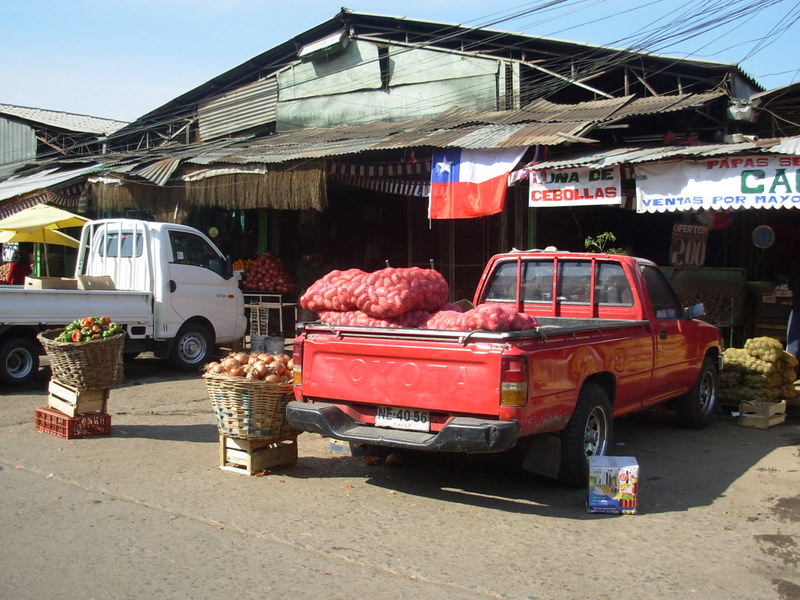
(575, 187)
(688, 245)
(719, 184)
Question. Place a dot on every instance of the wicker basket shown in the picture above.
(85, 365)
(250, 408)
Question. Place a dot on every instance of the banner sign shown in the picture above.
(719, 183)
(575, 187)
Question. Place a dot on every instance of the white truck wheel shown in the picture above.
(19, 361)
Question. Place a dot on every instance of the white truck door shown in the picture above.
(195, 285)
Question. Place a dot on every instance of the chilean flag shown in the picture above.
(470, 183)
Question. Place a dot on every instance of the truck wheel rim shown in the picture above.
(19, 363)
(192, 348)
(595, 435)
(707, 394)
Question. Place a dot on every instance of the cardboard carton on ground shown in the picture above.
(613, 485)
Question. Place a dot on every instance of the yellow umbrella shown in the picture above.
(38, 224)
(41, 216)
(42, 236)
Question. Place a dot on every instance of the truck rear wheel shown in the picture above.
(192, 347)
(19, 361)
(588, 433)
(696, 408)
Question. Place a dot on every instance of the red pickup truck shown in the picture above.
(612, 338)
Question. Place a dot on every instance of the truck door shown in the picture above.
(195, 282)
(672, 372)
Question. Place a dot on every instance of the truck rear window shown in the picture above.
(573, 283)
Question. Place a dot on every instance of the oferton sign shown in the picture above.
(575, 187)
(719, 184)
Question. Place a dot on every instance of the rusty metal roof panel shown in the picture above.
(593, 110)
(160, 171)
(661, 104)
(632, 155)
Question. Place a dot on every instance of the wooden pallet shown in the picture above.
(76, 401)
(248, 457)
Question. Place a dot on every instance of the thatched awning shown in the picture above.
(283, 187)
(288, 187)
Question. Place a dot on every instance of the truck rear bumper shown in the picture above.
(461, 434)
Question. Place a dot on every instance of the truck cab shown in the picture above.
(196, 302)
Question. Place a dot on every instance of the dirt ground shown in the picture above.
(146, 512)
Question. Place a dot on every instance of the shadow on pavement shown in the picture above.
(679, 469)
(178, 433)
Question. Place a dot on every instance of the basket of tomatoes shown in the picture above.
(86, 354)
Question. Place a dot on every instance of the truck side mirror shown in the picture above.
(695, 311)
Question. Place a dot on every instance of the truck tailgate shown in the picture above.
(411, 373)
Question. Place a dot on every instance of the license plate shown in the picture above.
(402, 418)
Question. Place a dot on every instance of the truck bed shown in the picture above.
(548, 326)
(56, 308)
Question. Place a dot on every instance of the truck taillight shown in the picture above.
(514, 381)
(297, 362)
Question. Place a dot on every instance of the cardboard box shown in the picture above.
(762, 409)
(99, 282)
(613, 485)
(50, 283)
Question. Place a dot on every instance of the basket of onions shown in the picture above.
(249, 393)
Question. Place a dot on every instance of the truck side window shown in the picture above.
(666, 303)
(503, 285)
(190, 249)
(611, 286)
(537, 281)
(574, 281)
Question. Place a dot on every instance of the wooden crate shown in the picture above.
(76, 401)
(761, 421)
(762, 409)
(248, 456)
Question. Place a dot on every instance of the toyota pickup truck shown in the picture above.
(169, 286)
(612, 338)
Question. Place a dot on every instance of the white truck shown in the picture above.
(169, 286)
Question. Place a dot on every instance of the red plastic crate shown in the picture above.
(80, 426)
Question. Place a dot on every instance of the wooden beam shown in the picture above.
(568, 80)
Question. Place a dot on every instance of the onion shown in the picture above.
(229, 363)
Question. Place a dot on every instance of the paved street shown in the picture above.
(147, 513)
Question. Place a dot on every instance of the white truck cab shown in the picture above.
(173, 291)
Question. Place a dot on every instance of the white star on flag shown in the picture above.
(444, 166)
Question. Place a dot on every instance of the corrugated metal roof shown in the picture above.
(63, 120)
(238, 110)
(633, 155)
(25, 184)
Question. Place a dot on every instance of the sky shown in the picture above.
(120, 59)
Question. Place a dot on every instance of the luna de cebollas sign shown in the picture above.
(719, 183)
(575, 187)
